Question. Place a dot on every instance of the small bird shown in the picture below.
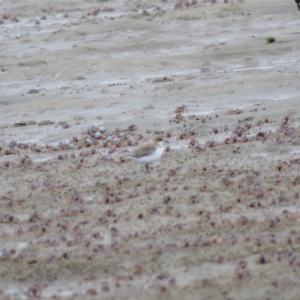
(149, 152)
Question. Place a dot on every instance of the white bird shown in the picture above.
(149, 152)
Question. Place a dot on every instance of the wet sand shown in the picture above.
(218, 216)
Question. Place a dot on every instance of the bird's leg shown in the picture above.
(147, 168)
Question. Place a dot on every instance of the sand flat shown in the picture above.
(218, 216)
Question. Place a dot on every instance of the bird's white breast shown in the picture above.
(151, 158)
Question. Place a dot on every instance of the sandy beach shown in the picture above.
(85, 82)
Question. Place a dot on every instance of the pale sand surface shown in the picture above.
(217, 218)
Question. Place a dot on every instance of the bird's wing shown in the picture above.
(145, 149)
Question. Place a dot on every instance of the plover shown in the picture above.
(149, 152)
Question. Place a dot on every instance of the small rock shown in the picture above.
(132, 128)
(37, 149)
(33, 91)
(22, 123)
(7, 151)
(65, 125)
(88, 142)
(45, 122)
(12, 144)
(98, 134)
(24, 158)
(90, 129)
